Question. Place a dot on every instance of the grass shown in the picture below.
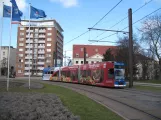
(149, 88)
(150, 81)
(78, 104)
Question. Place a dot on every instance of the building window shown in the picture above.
(20, 55)
(19, 71)
(22, 28)
(86, 62)
(19, 66)
(81, 49)
(48, 55)
(49, 28)
(48, 44)
(81, 62)
(77, 55)
(48, 61)
(48, 50)
(21, 44)
(86, 54)
(21, 34)
(49, 34)
(96, 50)
(20, 60)
(97, 62)
(3, 53)
(21, 39)
(92, 62)
(20, 49)
(76, 62)
(48, 39)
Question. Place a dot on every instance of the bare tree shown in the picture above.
(151, 36)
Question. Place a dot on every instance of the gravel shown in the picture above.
(33, 85)
(3, 84)
(33, 106)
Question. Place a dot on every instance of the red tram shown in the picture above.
(109, 74)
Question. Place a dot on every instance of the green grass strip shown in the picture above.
(78, 104)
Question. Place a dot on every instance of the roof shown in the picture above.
(52, 20)
(90, 50)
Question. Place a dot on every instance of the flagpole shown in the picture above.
(1, 33)
(9, 49)
(29, 43)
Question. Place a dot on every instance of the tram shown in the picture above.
(107, 74)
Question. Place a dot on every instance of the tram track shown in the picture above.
(89, 91)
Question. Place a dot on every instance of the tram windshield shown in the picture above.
(119, 72)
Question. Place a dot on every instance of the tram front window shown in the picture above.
(119, 72)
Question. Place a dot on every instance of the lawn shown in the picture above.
(150, 81)
(149, 88)
(78, 104)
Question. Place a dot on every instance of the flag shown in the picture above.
(6, 11)
(36, 13)
(16, 13)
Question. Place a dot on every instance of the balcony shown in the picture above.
(41, 57)
(27, 68)
(41, 46)
(41, 36)
(27, 36)
(28, 62)
(39, 74)
(29, 30)
(29, 46)
(28, 52)
(40, 68)
(27, 73)
(41, 52)
(28, 57)
(42, 31)
(41, 41)
(40, 63)
(29, 41)
(36, 31)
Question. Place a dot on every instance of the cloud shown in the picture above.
(67, 3)
(20, 3)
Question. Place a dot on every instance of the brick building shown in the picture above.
(94, 53)
(46, 39)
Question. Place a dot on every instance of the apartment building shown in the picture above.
(4, 56)
(94, 53)
(40, 46)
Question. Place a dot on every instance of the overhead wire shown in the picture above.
(125, 17)
(96, 22)
(132, 24)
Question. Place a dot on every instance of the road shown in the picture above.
(131, 104)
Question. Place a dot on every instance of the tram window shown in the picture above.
(102, 76)
(88, 72)
(68, 74)
(111, 73)
(119, 66)
(83, 73)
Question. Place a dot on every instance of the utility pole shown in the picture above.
(130, 48)
(84, 55)
(65, 58)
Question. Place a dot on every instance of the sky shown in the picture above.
(76, 16)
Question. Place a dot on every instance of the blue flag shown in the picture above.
(6, 11)
(37, 13)
(16, 13)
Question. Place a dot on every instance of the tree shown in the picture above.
(151, 36)
(108, 56)
(122, 53)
